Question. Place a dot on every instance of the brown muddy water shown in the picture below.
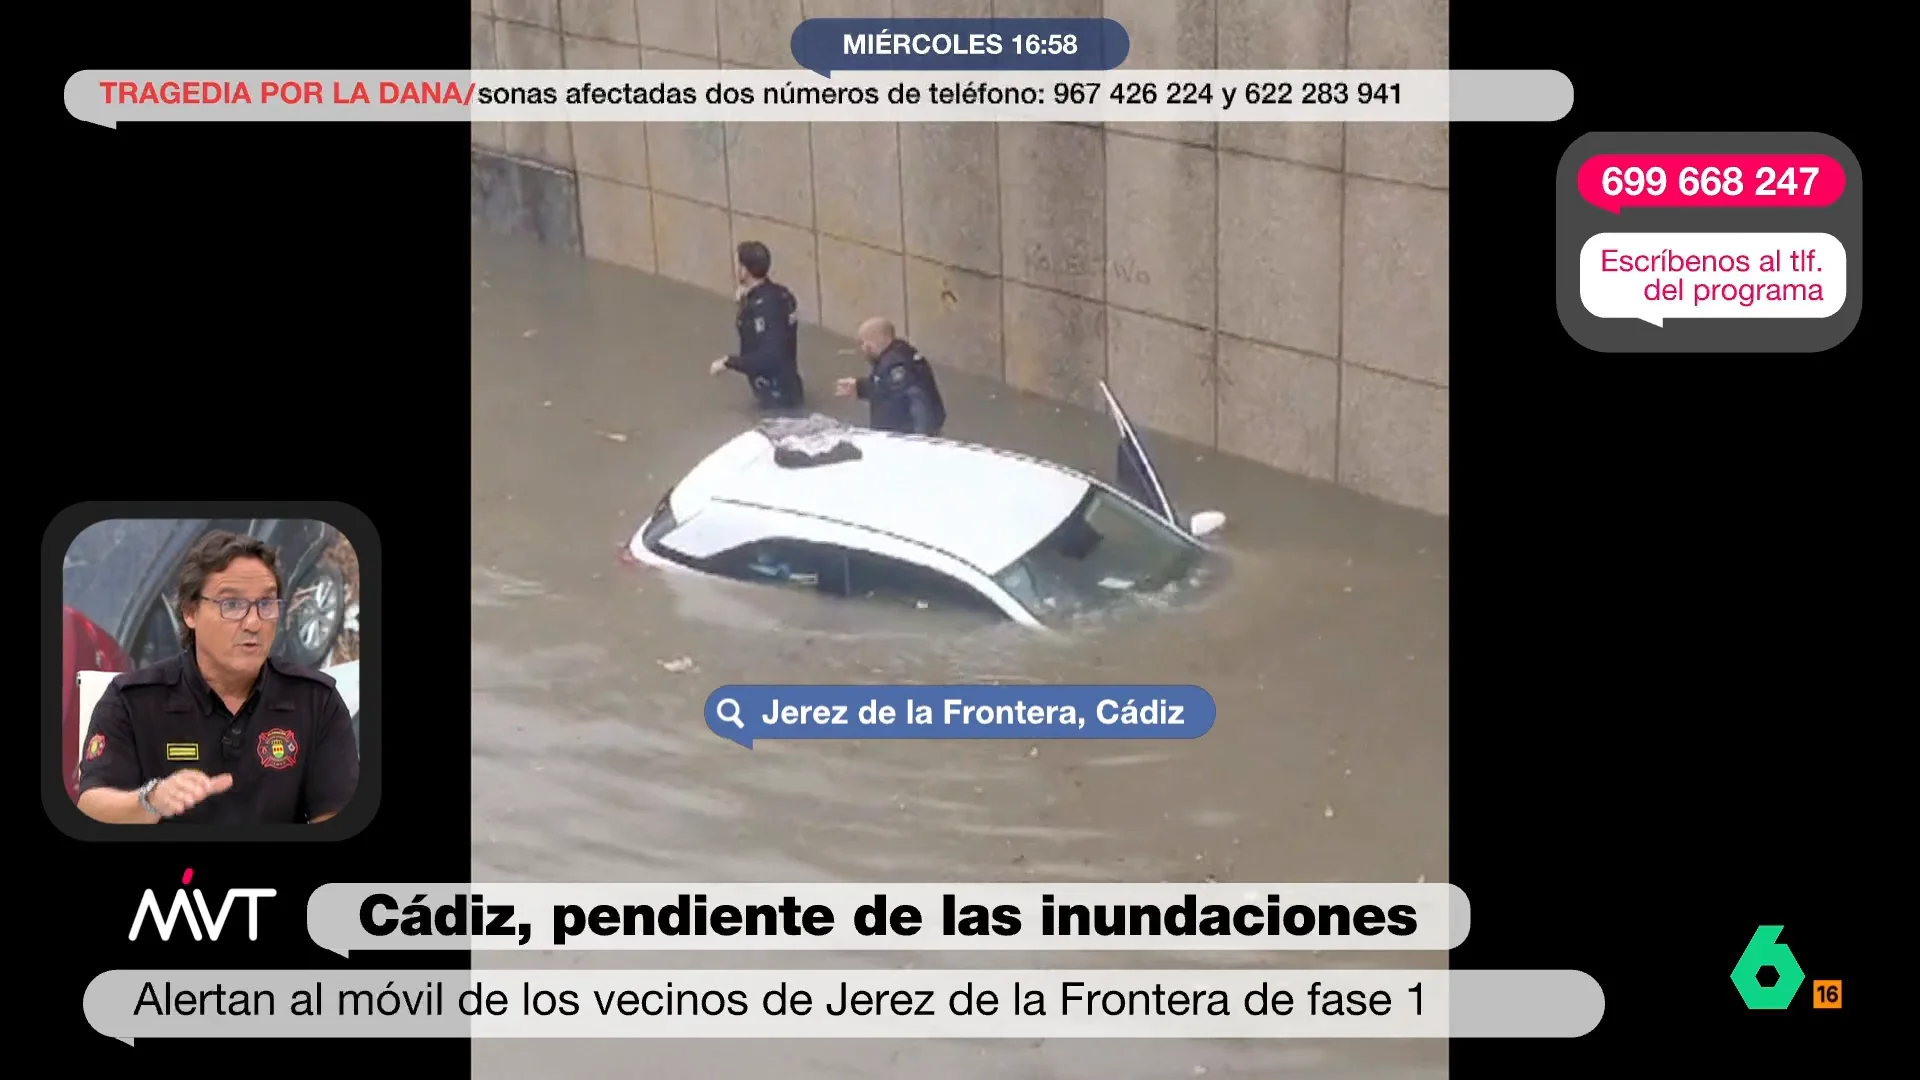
(1327, 655)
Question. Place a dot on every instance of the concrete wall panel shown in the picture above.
(607, 20)
(1056, 344)
(686, 27)
(1053, 207)
(1279, 407)
(1163, 371)
(1280, 253)
(768, 171)
(1396, 284)
(857, 282)
(616, 223)
(856, 182)
(694, 242)
(1299, 35)
(1393, 439)
(522, 47)
(950, 194)
(610, 151)
(1162, 228)
(954, 316)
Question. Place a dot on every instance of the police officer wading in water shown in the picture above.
(900, 392)
(768, 322)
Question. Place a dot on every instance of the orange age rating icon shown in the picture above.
(1826, 993)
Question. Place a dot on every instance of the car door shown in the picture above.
(1134, 473)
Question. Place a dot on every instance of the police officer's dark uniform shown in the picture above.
(290, 750)
(769, 355)
(901, 393)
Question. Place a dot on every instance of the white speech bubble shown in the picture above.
(350, 918)
(572, 1003)
(1654, 277)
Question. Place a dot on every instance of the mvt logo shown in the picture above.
(190, 906)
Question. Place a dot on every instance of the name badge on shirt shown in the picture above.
(183, 751)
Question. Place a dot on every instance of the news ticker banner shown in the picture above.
(112, 97)
(1241, 999)
(1709, 241)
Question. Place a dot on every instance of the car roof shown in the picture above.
(983, 506)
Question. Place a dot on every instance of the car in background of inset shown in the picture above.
(120, 574)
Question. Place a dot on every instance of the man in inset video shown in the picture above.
(224, 733)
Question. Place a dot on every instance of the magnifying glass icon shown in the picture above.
(728, 710)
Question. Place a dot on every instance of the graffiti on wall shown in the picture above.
(1039, 260)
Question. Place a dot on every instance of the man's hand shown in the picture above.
(845, 387)
(186, 789)
(717, 366)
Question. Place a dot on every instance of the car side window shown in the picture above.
(888, 579)
(795, 563)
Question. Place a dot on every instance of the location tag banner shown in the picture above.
(743, 714)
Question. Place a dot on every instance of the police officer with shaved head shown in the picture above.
(769, 325)
(900, 391)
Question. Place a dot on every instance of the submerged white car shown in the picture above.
(859, 513)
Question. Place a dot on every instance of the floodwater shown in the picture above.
(1327, 655)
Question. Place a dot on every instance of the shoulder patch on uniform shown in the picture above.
(96, 746)
(897, 374)
(299, 671)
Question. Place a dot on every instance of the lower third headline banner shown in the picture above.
(349, 918)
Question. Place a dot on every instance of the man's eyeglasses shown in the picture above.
(234, 610)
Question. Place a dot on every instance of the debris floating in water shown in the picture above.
(612, 436)
(1329, 810)
(678, 666)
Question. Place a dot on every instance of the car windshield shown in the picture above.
(1107, 549)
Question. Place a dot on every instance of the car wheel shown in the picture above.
(156, 638)
(316, 616)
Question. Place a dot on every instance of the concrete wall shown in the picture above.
(1276, 291)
